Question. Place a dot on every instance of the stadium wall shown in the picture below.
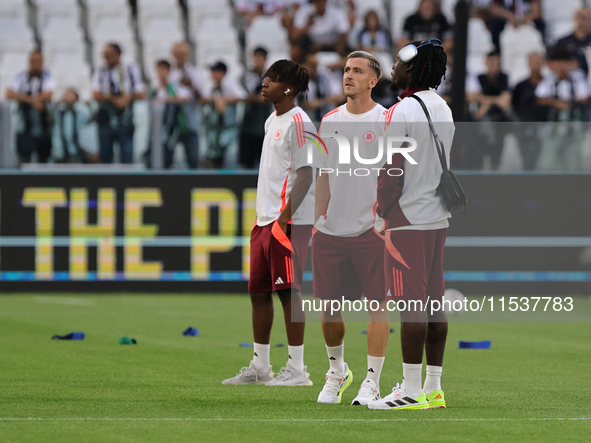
(189, 232)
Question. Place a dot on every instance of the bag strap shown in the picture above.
(438, 142)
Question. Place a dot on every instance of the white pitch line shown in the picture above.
(279, 420)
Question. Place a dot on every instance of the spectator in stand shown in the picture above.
(188, 75)
(288, 14)
(179, 122)
(325, 90)
(256, 111)
(220, 119)
(116, 87)
(319, 26)
(580, 39)
(427, 23)
(527, 111)
(566, 91)
(492, 97)
(516, 13)
(249, 9)
(32, 90)
(374, 37)
(70, 120)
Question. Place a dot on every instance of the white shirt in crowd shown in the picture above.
(198, 77)
(229, 88)
(352, 202)
(552, 87)
(284, 152)
(23, 84)
(327, 27)
(180, 91)
(121, 79)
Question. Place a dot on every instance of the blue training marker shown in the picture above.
(191, 332)
(70, 336)
(246, 345)
(475, 344)
(280, 345)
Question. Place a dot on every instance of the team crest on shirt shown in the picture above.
(369, 137)
(278, 134)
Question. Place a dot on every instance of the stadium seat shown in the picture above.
(15, 35)
(559, 17)
(479, 44)
(515, 57)
(11, 63)
(400, 9)
(268, 32)
(205, 10)
(99, 10)
(52, 9)
(149, 10)
(15, 9)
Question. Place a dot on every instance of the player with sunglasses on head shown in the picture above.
(416, 222)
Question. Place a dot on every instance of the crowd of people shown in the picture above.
(200, 103)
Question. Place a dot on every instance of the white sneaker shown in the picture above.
(250, 376)
(335, 385)
(368, 392)
(399, 399)
(288, 376)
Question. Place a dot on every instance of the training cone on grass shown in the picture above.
(191, 332)
(125, 340)
(475, 344)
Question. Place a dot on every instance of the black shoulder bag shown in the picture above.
(449, 186)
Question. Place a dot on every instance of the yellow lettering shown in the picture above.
(44, 200)
(135, 200)
(81, 233)
(202, 243)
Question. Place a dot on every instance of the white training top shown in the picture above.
(326, 27)
(284, 151)
(411, 200)
(351, 208)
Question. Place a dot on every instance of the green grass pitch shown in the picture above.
(532, 385)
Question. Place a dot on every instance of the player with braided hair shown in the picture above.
(280, 237)
(415, 221)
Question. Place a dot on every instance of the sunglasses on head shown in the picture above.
(409, 52)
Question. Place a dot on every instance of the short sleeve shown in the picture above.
(544, 89)
(304, 143)
(96, 81)
(581, 85)
(341, 22)
(138, 82)
(48, 83)
(15, 84)
(301, 17)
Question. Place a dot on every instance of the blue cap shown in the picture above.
(475, 344)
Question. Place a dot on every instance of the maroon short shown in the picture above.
(413, 264)
(348, 266)
(277, 259)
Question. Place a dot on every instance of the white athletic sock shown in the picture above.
(336, 357)
(374, 368)
(411, 378)
(433, 379)
(260, 356)
(296, 357)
